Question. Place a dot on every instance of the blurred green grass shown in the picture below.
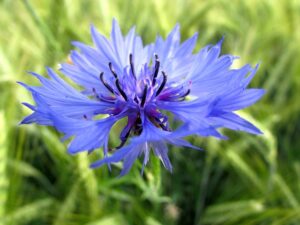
(247, 180)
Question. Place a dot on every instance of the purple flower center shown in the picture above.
(135, 93)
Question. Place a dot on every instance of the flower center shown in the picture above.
(136, 94)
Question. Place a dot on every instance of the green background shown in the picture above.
(246, 180)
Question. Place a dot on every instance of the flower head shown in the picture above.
(146, 85)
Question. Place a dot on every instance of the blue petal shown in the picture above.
(220, 83)
(88, 134)
(247, 80)
(207, 57)
(171, 43)
(92, 55)
(152, 137)
(131, 157)
(128, 154)
(234, 122)
(187, 47)
(178, 68)
(129, 43)
(188, 111)
(81, 77)
(116, 157)
(64, 99)
(166, 49)
(41, 114)
(243, 100)
(202, 128)
(118, 43)
(161, 151)
(104, 46)
(84, 64)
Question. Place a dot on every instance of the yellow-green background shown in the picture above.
(246, 180)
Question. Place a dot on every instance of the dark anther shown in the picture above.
(112, 70)
(85, 117)
(182, 97)
(132, 66)
(123, 137)
(136, 100)
(106, 84)
(138, 128)
(162, 84)
(105, 99)
(95, 93)
(162, 125)
(124, 140)
(144, 96)
(186, 93)
(156, 69)
(117, 82)
(120, 89)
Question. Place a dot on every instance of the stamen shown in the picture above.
(117, 81)
(85, 116)
(182, 97)
(120, 89)
(132, 66)
(95, 93)
(162, 125)
(162, 84)
(158, 123)
(123, 141)
(136, 99)
(112, 70)
(144, 96)
(105, 99)
(186, 93)
(156, 69)
(106, 84)
(138, 128)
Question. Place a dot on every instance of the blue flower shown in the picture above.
(163, 90)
